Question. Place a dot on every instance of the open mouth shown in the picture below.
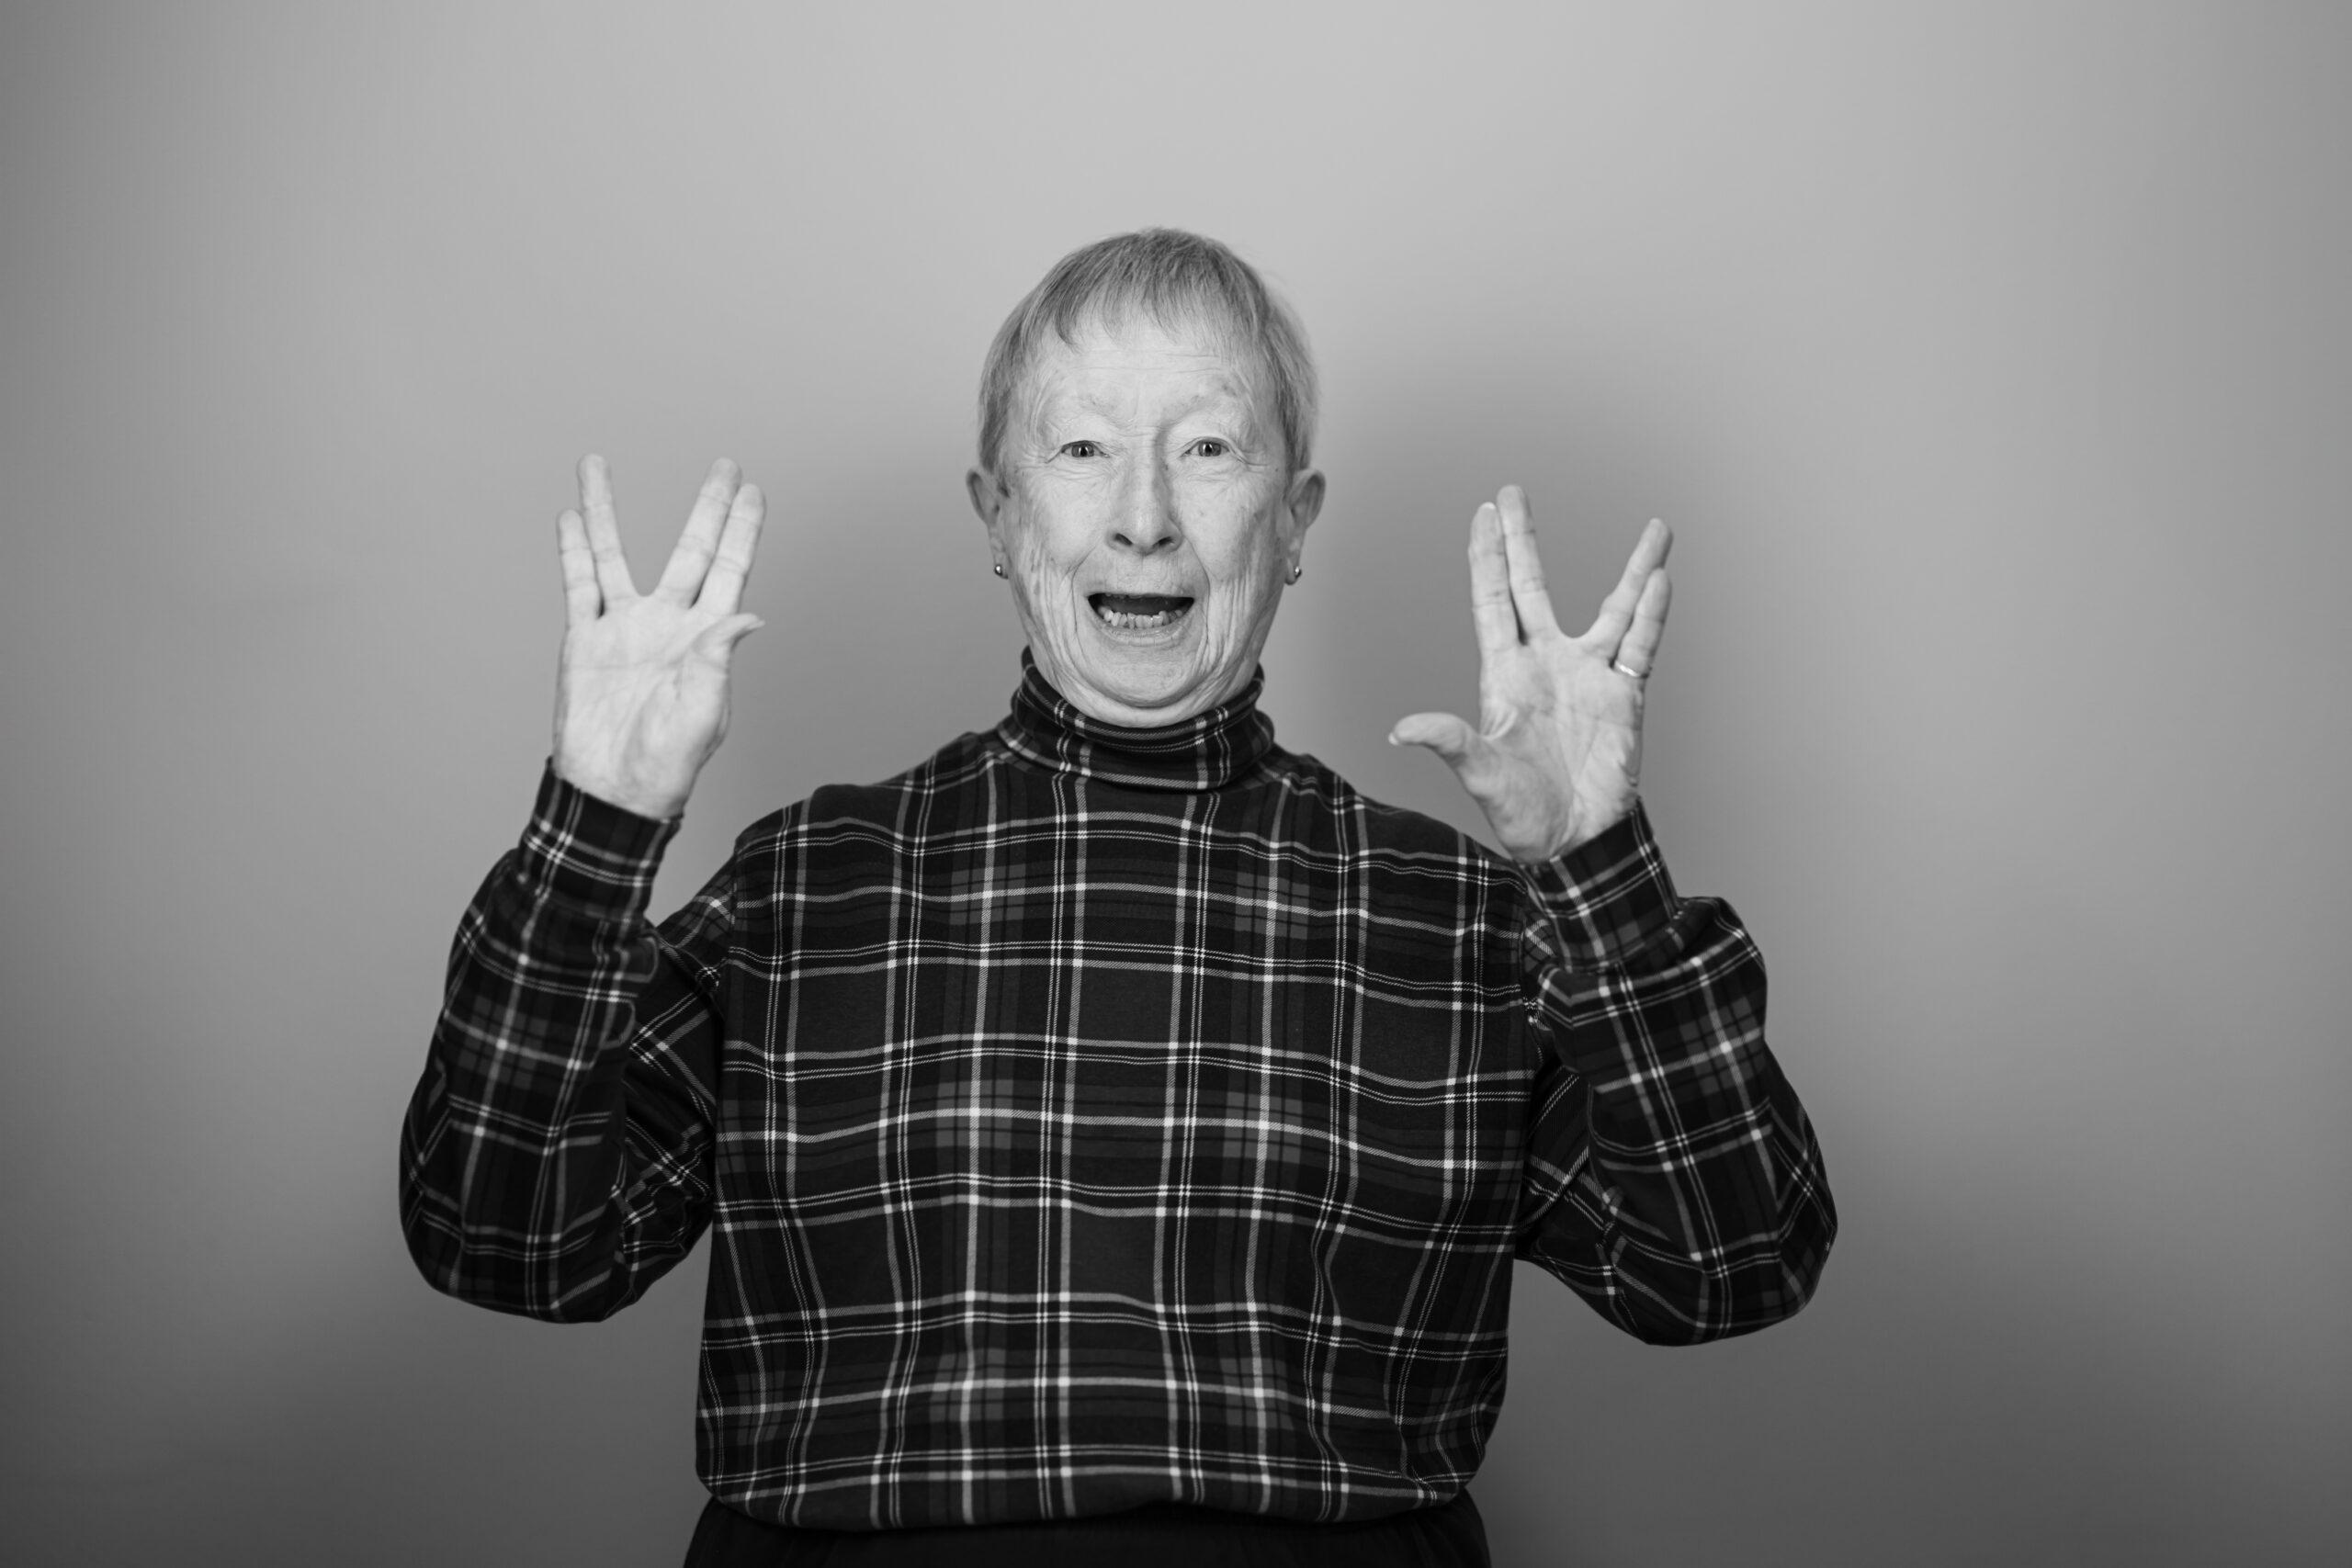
(1139, 612)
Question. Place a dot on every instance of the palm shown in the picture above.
(1555, 758)
(641, 691)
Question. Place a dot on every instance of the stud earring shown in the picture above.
(1000, 568)
(1295, 573)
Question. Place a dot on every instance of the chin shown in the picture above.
(1151, 688)
(1156, 687)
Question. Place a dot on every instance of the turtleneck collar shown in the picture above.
(1206, 752)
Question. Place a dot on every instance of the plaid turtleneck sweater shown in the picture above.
(1094, 1116)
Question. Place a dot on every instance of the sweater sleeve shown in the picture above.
(1674, 1180)
(556, 1157)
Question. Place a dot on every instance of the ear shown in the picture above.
(988, 497)
(1301, 505)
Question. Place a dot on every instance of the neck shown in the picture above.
(1205, 751)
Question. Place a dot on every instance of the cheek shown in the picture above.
(1044, 550)
(1244, 552)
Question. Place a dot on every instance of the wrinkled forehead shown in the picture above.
(1104, 354)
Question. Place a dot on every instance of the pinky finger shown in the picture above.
(1639, 650)
(582, 601)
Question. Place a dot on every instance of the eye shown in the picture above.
(1081, 448)
(1210, 446)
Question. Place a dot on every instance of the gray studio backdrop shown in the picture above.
(1992, 364)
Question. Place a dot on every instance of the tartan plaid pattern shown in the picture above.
(1091, 1116)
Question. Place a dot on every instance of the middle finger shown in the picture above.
(681, 578)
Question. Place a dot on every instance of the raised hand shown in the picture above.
(641, 689)
(1556, 756)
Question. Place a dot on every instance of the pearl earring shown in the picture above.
(1000, 568)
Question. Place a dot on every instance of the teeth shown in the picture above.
(1126, 621)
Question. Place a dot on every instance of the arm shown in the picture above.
(1673, 1179)
(556, 1157)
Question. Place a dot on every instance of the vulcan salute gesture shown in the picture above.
(642, 688)
(1556, 755)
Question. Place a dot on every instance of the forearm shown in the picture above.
(526, 1172)
(1702, 1189)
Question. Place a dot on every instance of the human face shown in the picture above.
(1147, 517)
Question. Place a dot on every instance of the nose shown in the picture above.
(1146, 521)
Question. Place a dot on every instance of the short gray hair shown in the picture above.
(1177, 278)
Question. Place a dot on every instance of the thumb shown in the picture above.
(716, 645)
(1443, 733)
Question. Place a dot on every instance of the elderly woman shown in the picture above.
(1118, 1130)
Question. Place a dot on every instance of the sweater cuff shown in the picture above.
(1608, 896)
(589, 854)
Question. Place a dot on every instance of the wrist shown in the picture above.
(1586, 830)
(590, 855)
(657, 805)
(1542, 843)
(1608, 896)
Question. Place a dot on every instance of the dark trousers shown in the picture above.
(1162, 1535)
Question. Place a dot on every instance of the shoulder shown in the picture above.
(884, 814)
(1393, 836)
(1425, 891)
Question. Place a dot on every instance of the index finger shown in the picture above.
(1617, 610)
(681, 578)
(722, 590)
